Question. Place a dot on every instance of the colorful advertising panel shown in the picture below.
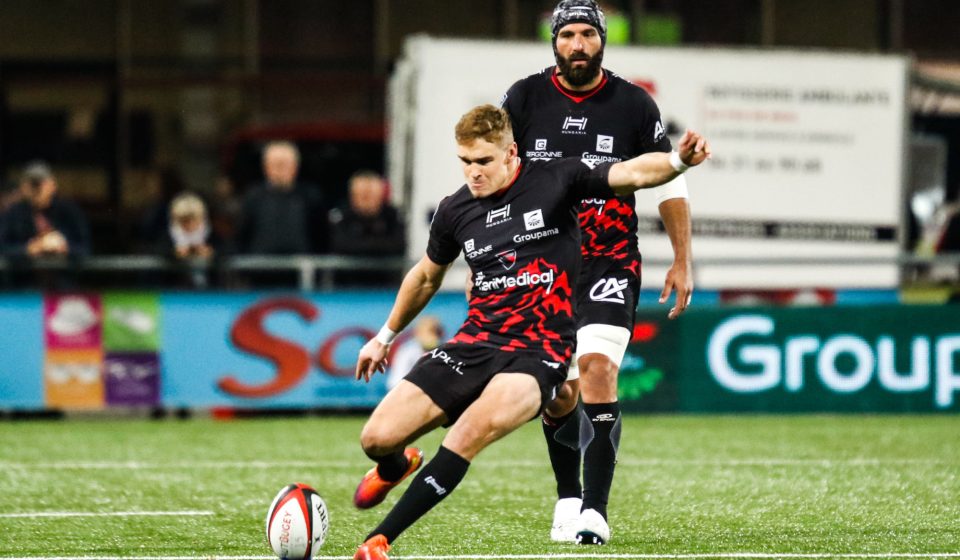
(833, 359)
(295, 351)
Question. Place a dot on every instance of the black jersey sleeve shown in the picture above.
(652, 130)
(442, 247)
(583, 179)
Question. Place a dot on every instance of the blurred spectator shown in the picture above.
(279, 216)
(43, 224)
(427, 335)
(368, 225)
(190, 238)
(189, 233)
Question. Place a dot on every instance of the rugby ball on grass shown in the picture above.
(297, 522)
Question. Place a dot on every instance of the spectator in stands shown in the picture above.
(427, 335)
(190, 239)
(43, 224)
(279, 216)
(367, 226)
(189, 229)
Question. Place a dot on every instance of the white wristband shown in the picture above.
(385, 336)
(677, 163)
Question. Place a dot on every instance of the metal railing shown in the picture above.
(318, 272)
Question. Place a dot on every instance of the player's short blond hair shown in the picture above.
(485, 122)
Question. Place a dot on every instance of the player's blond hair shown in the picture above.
(485, 122)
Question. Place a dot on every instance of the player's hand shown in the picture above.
(372, 358)
(693, 148)
(679, 278)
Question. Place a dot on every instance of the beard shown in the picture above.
(580, 75)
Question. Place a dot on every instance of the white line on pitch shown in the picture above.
(105, 514)
(142, 465)
(697, 556)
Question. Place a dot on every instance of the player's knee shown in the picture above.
(598, 378)
(377, 439)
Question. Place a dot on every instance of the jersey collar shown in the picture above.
(577, 96)
(512, 181)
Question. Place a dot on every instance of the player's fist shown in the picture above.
(693, 149)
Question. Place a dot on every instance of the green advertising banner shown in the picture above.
(823, 359)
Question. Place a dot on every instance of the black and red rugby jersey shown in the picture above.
(615, 121)
(522, 248)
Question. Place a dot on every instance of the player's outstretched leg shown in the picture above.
(431, 485)
(402, 416)
(561, 430)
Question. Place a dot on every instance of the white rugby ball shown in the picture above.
(297, 522)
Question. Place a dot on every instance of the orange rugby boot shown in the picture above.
(373, 489)
(375, 548)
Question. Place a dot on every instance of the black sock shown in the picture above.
(391, 467)
(434, 482)
(564, 452)
(600, 455)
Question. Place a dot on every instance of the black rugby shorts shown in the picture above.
(455, 374)
(607, 294)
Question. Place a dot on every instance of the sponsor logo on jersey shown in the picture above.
(484, 284)
(498, 216)
(447, 359)
(472, 252)
(543, 155)
(533, 219)
(507, 258)
(604, 143)
(540, 144)
(573, 125)
(597, 159)
(609, 290)
(523, 238)
(658, 131)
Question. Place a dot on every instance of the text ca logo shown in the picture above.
(766, 364)
(609, 290)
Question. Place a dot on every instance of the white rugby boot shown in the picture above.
(592, 528)
(566, 518)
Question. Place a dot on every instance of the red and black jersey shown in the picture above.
(522, 247)
(615, 121)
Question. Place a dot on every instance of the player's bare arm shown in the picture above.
(675, 214)
(653, 169)
(416, 290)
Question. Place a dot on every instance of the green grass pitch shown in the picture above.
(686, 485)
